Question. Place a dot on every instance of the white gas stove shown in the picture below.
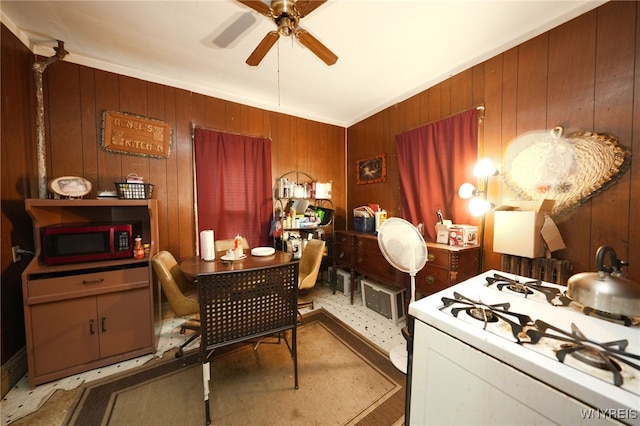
(505, 349)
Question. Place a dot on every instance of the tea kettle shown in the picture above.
(606, 290)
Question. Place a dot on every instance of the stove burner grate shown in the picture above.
(617, 318)
(488, 313)
(482, 314)
(606, 356)
(553, 295)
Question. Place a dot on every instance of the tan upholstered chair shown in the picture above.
(310, 262)
(181, 293)
(224, 245)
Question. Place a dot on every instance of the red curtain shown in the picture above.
(233, 179)
(434, 160)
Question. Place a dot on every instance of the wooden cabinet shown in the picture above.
(83, 316)
(370, 262)
(447, 265)
(344, 248)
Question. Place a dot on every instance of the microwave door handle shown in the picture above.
(112, 242)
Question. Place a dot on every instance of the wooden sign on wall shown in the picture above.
(131, 134)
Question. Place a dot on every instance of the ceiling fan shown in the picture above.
(287, 14)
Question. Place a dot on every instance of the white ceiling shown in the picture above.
(388, 49)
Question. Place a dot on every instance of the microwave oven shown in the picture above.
(86, 242)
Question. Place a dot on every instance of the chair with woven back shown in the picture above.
(181, 293)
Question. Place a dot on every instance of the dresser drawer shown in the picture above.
(438, 256)
(83, 284)
(345, 238)
(432, 279)
(374, 265)
(368, 243)
(344, 254)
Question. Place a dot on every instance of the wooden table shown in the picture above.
(193, 266)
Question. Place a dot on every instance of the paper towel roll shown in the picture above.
(207, 248)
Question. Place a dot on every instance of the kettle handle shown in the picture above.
(615, 263)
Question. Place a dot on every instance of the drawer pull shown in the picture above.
(98, 281)
(431, 257)
(430, 279)
(104, 324)
(91, 331)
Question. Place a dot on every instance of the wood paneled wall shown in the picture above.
(583, 75)
(75, 97)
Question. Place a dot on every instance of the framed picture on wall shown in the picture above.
(372, 170)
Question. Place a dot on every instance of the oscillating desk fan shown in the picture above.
(404, 248)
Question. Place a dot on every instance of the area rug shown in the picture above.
(343, 380)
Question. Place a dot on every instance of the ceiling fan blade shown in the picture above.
(261, 50)
(314, 45)
(258, 6)
(305, 7)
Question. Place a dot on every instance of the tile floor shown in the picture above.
(21, 401)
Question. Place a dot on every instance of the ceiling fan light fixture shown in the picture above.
(286, 15)
(286, 26)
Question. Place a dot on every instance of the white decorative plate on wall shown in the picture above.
(70, 186)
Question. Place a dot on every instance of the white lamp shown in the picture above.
(478, 204)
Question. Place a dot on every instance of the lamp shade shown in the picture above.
(466, 191)
(484, 168)
(478, 206)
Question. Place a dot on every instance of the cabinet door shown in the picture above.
(124, 321)
(65, 334)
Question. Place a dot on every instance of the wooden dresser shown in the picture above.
(447, 265)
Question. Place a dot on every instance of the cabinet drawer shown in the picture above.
(438, 257)
(367, 243)
(432, 279)
(374, 265)
(343, 254)
(48, 289)
(344, 238)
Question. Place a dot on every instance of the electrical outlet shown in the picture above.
(14, 253)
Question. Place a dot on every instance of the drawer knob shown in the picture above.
(430, 279)
(359, 243)
(431, 257)
(360, 260)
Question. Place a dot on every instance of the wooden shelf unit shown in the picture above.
(87, 315)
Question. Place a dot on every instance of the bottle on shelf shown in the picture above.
(138, 248)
